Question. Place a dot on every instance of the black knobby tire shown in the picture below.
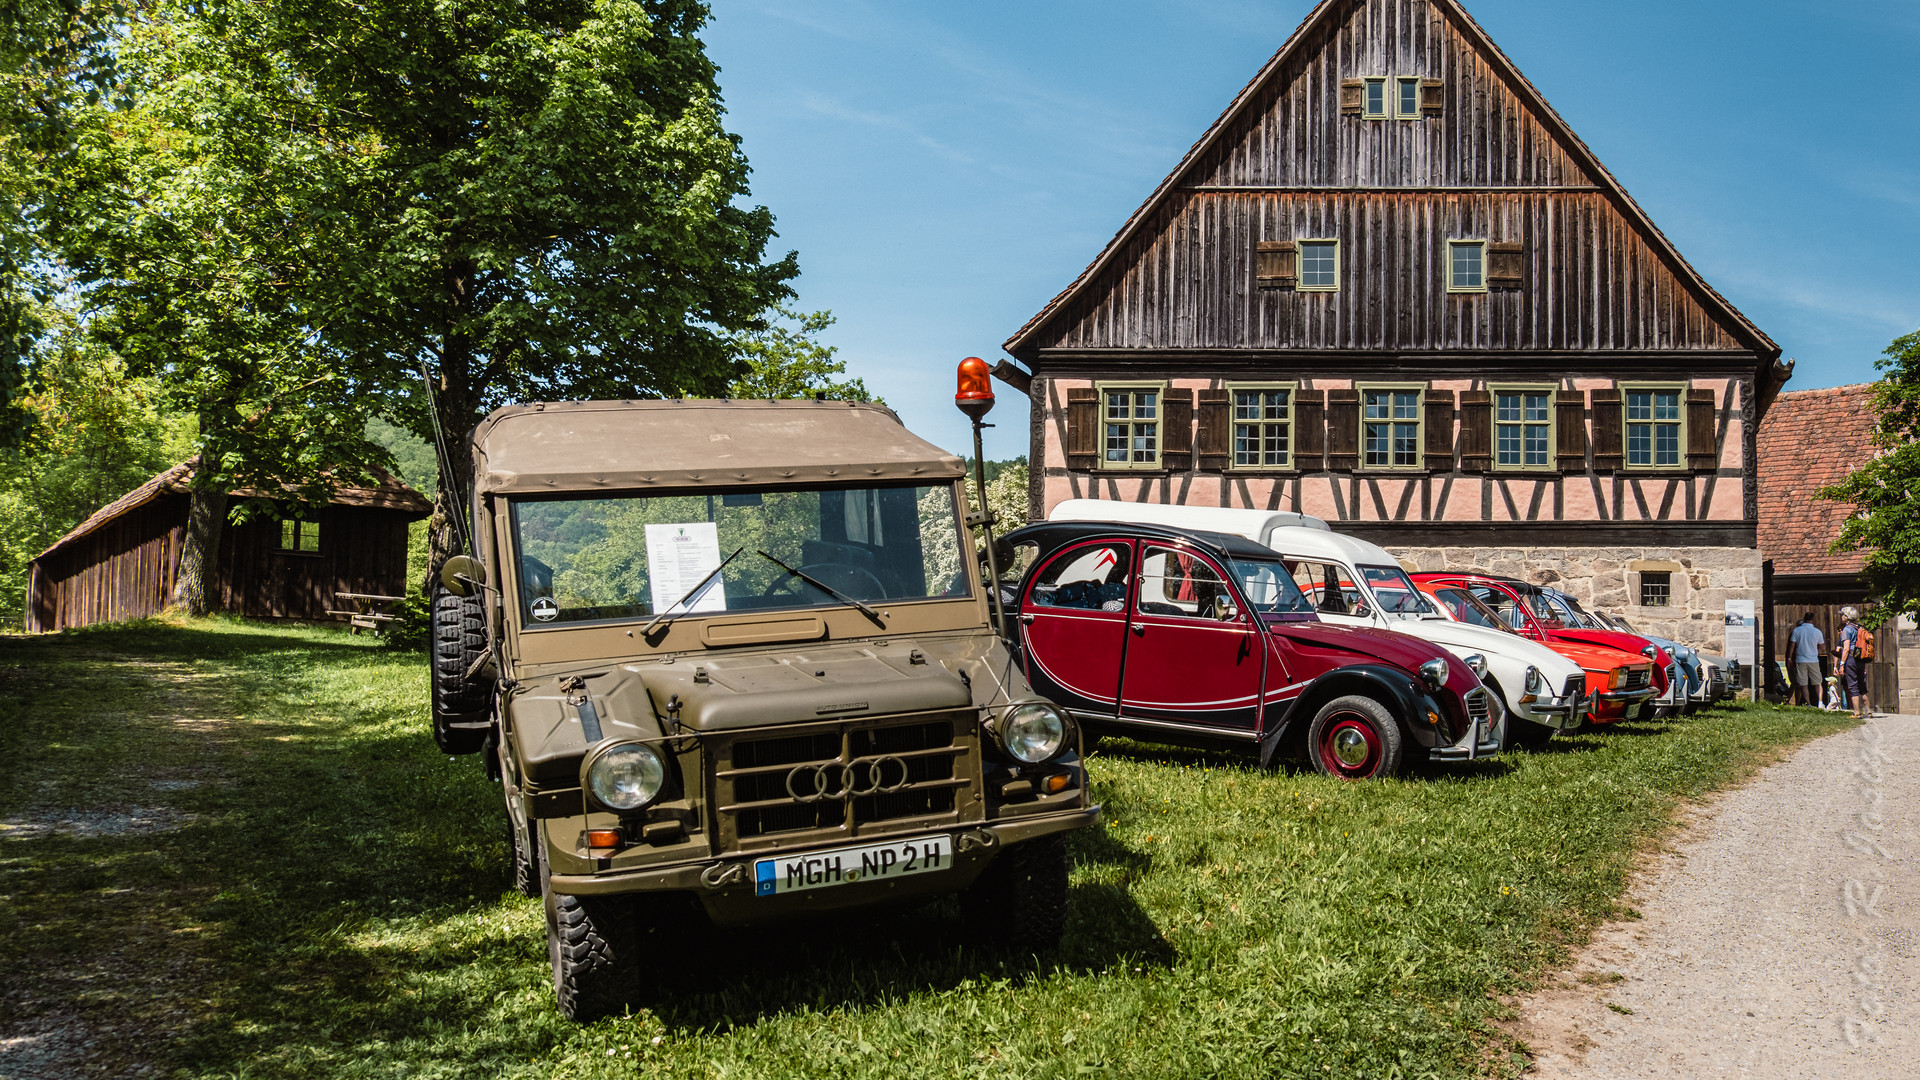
(593, 943)
(462, 705)
(1356, 738)
(1019, 902)
(523, 860)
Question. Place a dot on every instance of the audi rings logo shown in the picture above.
(847, 779)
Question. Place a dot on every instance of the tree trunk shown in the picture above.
(206, 520)
(459, 408)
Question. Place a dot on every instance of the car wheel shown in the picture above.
(462, 705)
(1019, 902)
(1355, 738)
(524, 863)
(1525, 734)
(593, 943)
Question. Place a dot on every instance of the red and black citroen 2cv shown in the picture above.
(1208, 639)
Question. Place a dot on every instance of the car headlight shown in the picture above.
(1032, 733)
(1478, 663)
(1534, 681)
(1616, 677)
(1650, 653)
(625, 776)
(1434, 674)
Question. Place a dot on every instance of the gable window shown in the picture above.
(1466, 266)
(297, 535)
(1523, 427)
(1262, 427)
(1319, 266)
(1655, 426)
(1390, 427)
(1131, 420)
(1375, 99)
(1656, 588)
(1408, 100)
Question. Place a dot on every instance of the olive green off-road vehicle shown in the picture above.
(733, 662)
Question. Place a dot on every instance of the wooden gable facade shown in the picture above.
(1390, 287)
(121, 563)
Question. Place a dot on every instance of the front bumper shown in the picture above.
(1481, 740)
(1560, 714)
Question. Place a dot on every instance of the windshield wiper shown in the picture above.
(667, 616)
(828, 589)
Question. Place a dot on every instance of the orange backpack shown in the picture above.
(1865, 643)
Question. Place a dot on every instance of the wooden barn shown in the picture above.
(121, 562)
(1390, 287)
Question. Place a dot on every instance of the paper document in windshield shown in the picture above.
(678, 556)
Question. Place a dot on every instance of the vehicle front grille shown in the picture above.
(1675, 685)
(844, 776)
(1576, 688)
(1717, 685)
(1479, 707)
(1637, 678)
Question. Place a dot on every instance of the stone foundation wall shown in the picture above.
(1608, 579)
(1909, 637)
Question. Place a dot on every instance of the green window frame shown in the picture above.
(1392, 426)
(1406, 97)
(1130, 419)
(1466, 266)
(299, 536)
(1318, 265)
(1655, 431)
(1523, 428)
(1262, 425)
(1374, 104)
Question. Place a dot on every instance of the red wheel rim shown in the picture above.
(1350, 747)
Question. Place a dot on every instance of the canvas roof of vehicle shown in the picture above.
(1255, 525)
(551, 447)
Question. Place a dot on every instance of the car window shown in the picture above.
(1178, 583)
(1326, 586)
(1393, 590)
(1467, 608)
(1269, 588)
(1090, 578)
(1505, 607)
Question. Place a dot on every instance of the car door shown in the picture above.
(1185, 662)
(1074, 621)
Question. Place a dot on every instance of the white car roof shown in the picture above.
(1314, 543)
(1255, 525)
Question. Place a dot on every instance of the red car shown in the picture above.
(1208, 639)
(1527, 608)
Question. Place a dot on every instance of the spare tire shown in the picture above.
(462, 702)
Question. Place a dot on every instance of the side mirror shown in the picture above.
(1223, 609)
(463, 575)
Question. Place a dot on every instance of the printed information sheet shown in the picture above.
(678, 556)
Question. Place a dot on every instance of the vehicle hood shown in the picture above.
(1613, 639)
(1366, 643)
(1462, 639)
(1597, 657)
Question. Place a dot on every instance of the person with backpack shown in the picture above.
(1856, 650)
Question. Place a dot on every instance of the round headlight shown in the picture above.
(1478, 663)
(1434, 674)
(1033, 733)
(1534, 680)
(1650, 653)
(626, 777)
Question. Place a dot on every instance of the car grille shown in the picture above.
(1575, 688)
(1675, 685)
(1717, 685)
(1479, 708)
(923, 764)
(1637, 678)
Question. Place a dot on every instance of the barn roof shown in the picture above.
(1811, 439)
(1248, 100)
(388, 493)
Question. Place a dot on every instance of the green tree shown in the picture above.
(1885, 492)
(787, 360)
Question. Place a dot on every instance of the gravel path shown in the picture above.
(1778, 937)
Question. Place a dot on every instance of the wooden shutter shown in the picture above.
(1176, 430)
(1353, 94)
(1275, 264)
(1215, 439)
(1703, 452)
(1433, 97)
(1083, 427)
(1570, 426)
(1506, 264)
(1476, 431)
(1609, 432)
(1343, 430)
(1309, 430)
(1439, 418)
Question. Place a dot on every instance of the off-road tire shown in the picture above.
(593, 943)
(1019, 902)
(1384, 743)
(523, 861)
(462, 706)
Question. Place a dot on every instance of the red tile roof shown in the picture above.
(1810, 439)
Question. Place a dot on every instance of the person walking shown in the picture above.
(1856, 648)
(1803, 652)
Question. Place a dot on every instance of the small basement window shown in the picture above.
(1466, 266)
(1656, 588)
(297, 535)
(1319, 266)
(1407, 102)
(1375, 99)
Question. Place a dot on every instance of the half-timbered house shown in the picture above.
(121, 563)
(1392, 288)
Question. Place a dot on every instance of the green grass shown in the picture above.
(318, 893)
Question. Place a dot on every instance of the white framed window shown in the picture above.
(1130, 426)
(1319, 266)
(1523, 427)
(1373, 98)
(1262, 426)
(1406, 97)
(1390, 419)
(1656, 428)
(1466, 266)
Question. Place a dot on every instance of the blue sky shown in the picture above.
(945, 168)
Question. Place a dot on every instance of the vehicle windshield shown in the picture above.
(1269, 588)
(1468, 608)
(594, 559)
(1573, 613)
(1394, 592)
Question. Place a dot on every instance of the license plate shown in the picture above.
(849, 865)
